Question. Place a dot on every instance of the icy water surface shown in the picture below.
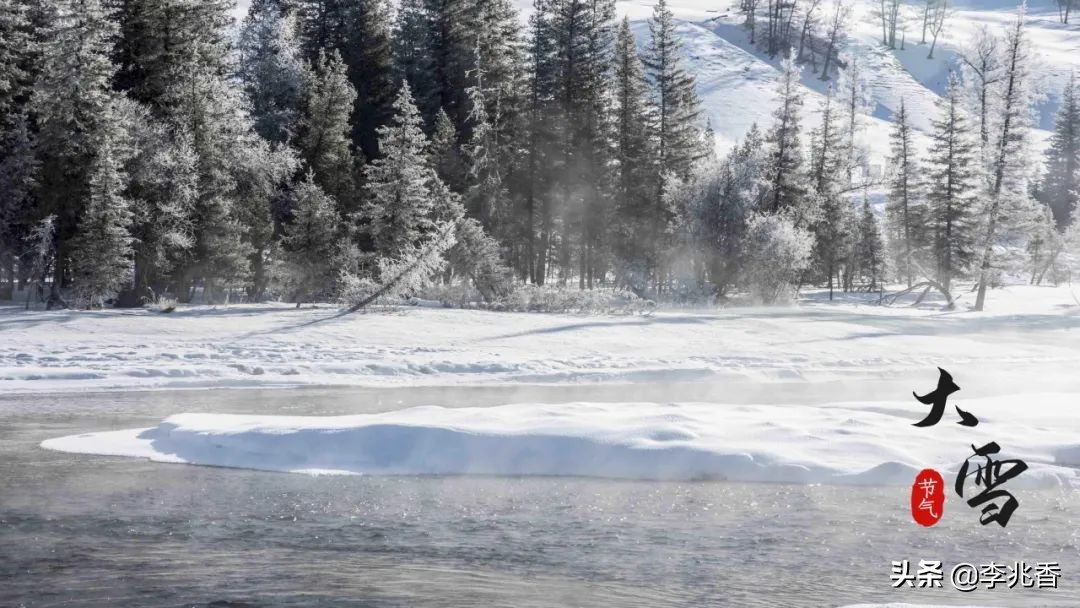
(93, 531)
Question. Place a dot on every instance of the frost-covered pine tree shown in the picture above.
(18, 182)
(828, 178)
(101, 251)
(211, 108)
(786, 176)
(478, 257)
(76, 118)
(905, 209)
(634, 238)
(161, 39)
(403, 197)
(324, 140)
(272, 70)
(413, 60)
(856, 100)
(954, 180)
(446, 155)
(262, 171)
(311, 242)
(452, 36)
(498, 58)
(162, 190)
(729, 191)
(674, 93)
(1009, 203)
(581, 46)
(828, 159)
(869, 249)
(1061, 183)
(16, 53)
(369, 54)
(486, 196)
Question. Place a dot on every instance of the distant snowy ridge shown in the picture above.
(842, 443)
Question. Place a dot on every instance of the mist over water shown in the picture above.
(95, 531)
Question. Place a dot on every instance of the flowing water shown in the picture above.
(97, 531)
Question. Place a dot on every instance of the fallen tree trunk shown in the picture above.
(926, 286)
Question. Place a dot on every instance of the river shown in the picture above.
(99, 531)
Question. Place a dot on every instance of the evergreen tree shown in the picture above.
(954, 180)
(856, 99)
(361, 32)
(413, 61)
(452, 36)
(497, 59)
(583, 34)
(76, 117)
(869, 249)
(828, 160)
(786, 178)
(17, 46)
(210, 108)
(19, 61)
(311, 242)
(730, 192)
(636, 241)
(369, 55)
(162, 187)
(678, 109)
(261, 172)
(446, 154)
(161, 39)
(1008, 202)
(496, 101)
(487, 194)
(403, 197)
(905, 210)
(272, 71)
(1061, 184)
(828, 164)
(323, 25)
(101, 251)
(18, 182)
(324, 139)
(540, 135)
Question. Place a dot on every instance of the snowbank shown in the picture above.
(842, 443)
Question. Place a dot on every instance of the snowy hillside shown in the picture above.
(737, 82)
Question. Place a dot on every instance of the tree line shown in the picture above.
(360, 150)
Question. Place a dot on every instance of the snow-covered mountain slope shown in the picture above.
(737, 82)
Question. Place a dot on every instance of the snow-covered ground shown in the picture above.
(1016, 365)
(1025, 329)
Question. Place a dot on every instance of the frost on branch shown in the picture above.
(407, 272)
